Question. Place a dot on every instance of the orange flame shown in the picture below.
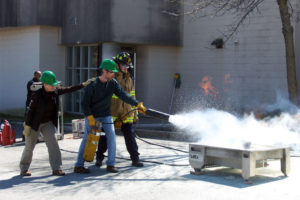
(207, 87)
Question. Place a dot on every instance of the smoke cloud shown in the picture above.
(220, 128)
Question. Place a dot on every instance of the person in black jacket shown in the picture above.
(36, 78)
(42, 117)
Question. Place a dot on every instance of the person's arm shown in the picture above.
(118, 90)
(31, 109)
(64, 90)
(86, 100)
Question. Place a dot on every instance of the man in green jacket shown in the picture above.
(96, 107)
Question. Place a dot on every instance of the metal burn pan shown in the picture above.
(247, 159)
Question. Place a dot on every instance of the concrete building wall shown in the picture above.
(19, 58)
(247, 72)
(23, 51)
(52, 54)
(109, 50)
(30, 13)
(297, 47)
(145, 22)
(155, 70)
(126, 21)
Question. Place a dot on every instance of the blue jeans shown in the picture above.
(108, 126)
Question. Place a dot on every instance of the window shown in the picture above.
(81, 64)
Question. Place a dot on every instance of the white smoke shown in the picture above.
(221, 128)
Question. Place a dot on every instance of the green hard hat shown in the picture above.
(109, 64)
(48, 77)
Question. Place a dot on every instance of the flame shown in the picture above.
(207, 87)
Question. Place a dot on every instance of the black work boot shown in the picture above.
(137, 164)
(98, 163)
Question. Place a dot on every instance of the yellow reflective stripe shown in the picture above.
(128, 120)
(114, 96)
(132, 93)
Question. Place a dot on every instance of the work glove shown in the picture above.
(26, 131)
(135, 115)
(92, 121)
(88, 81)
(118, 124)
(141, 108)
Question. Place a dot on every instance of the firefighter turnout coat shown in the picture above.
(118, 107)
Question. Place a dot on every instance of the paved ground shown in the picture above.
(153, 181)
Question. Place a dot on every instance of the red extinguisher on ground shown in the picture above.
(8, 135)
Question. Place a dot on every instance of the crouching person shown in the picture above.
(42, 117)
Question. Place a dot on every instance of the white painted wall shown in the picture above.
(24, 50)
(19, 58)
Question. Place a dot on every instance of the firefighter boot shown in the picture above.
(137, 164)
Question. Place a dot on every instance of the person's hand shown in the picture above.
(88, 81)
(92, 121)
(135, 117)
(26, 131)
(141, 108)
(118, 124)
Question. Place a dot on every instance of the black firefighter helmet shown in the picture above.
(123, 58)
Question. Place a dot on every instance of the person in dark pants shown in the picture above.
(121, 113)
(36, 78)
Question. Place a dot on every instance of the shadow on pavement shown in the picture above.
(232, 177)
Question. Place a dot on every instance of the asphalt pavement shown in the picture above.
(170, 180)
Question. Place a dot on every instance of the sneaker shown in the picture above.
(98, 163)
(137, 164)
(81, 170)
(112, 169)
(58, 172)
(25, 173)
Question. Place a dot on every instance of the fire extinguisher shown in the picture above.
(0, 133)
(8, 136)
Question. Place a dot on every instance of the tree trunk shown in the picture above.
(288, 33)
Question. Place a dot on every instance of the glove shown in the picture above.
(141, 108)
(92, 121)
(135, 117)
(119, 121)
(118, 124)
(26, 131)
(88, 81)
